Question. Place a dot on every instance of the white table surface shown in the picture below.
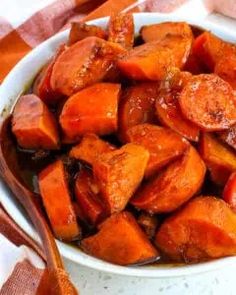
(221, 282)
(92, 282)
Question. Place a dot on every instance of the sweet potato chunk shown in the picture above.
(209, 102)
(121, 241)
(84, 63)
(229, 193)
(137, 106)
(163, 144)
(180, 48)
(169, 113)
(149, 61)
(174, 186)
(158, 32)
(56, 199)
(33, 124)
(93, 109)
(229, 136)
(121, 29)
(226, 68)
(80, 31)
(119, 173)
(220, 160)
(176, 36)
(153, 60)
(209, 49)
(90, 148)
(42, 85)
(86, 193)
(205, 228)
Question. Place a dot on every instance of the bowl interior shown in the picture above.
(17, 82)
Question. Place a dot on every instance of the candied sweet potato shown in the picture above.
(86, 193)
(226, 68)
(205, 228)
(220, 160)
(163, 144)
(121, 29)
(153, 60)
(169, 114)
(80, 31)
(209, 49)
(229, 136)
(180, 48)
(209, 102)
(149, 61)
(93, 109)
(174, 186)
(175, 35)
(90, 148)
(137, 106)
(120, 240)
(158, 32)
(56, 199)
(229, 193)
(119, 174)
(84, 63)
(42, 85)
(33, 124)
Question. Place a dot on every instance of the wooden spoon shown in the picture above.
(56, 280)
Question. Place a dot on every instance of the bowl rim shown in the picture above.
(9, 94)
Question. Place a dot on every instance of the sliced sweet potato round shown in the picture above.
(93, 109)
(84, 63)
(120, 240)
(205, 228)
(163, 144)
(209, 102)
(137, 106)
(174, 186)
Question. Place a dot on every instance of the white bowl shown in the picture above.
(17, 81)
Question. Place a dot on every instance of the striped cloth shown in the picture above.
(23, 25)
